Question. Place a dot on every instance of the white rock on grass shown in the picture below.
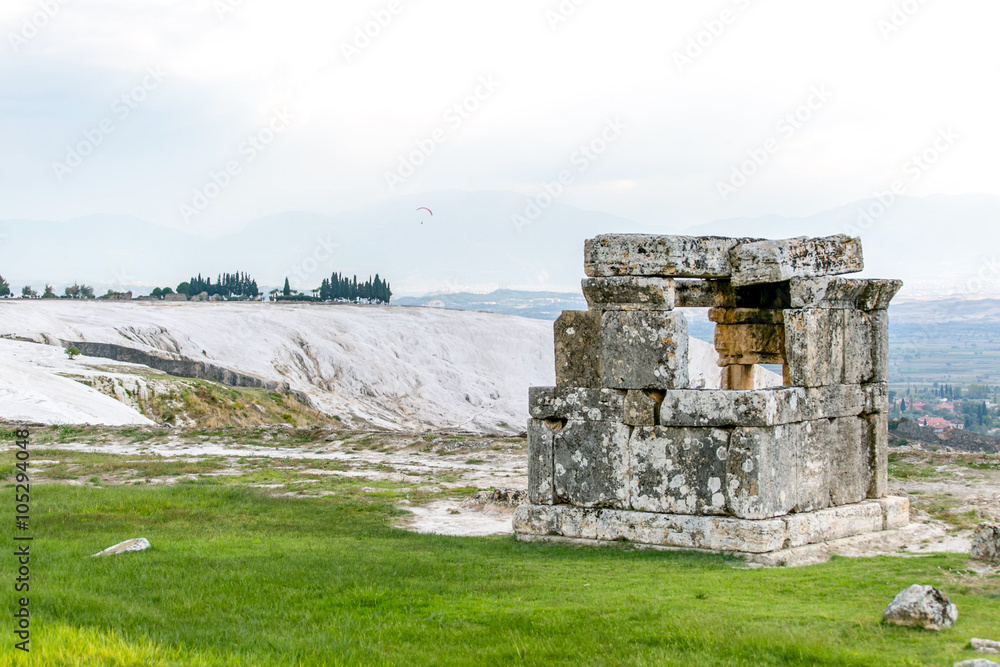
(978, 662)
(137, 544)
(985, 645)
(922, 607)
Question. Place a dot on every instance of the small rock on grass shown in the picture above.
(985, 645)
(137, 544)
(986, 542)
(922, 607)
(978, 662)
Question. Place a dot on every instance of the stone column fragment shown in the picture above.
(748, 344)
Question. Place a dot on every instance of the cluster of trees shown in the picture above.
(74, 291)
(227, 285)
(238, 286)
(342, 288)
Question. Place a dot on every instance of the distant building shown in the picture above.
(175, 297)
(939, 424)
(117, 296)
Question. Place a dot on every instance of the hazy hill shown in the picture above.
(937, 244)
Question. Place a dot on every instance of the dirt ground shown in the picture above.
(433, 476)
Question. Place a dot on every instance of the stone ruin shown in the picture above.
(623, 449)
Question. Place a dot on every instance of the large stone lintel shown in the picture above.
(843, 293)
(709, 533)
(777, 261)
(656, 255)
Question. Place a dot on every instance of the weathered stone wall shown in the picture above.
(183, 367)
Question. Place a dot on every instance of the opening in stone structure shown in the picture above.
(744, 338)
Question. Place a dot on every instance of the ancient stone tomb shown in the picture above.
(623, 448)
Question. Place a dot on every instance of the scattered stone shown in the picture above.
(921, 607)
(985, 646)
(977, 662)
(777, 261)
(497, 498)
(986, 542)
(128, 546)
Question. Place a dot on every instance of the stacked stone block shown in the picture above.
(621, 448)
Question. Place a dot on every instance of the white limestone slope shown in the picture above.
(395, 367)
(32, 390)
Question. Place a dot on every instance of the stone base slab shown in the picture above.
(717, 534)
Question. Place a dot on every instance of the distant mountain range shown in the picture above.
(938, 245)
(536, 305)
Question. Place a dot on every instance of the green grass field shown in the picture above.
(237, 577)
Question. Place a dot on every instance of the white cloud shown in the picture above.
(687, 128)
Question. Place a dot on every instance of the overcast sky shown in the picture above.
(141, 108)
